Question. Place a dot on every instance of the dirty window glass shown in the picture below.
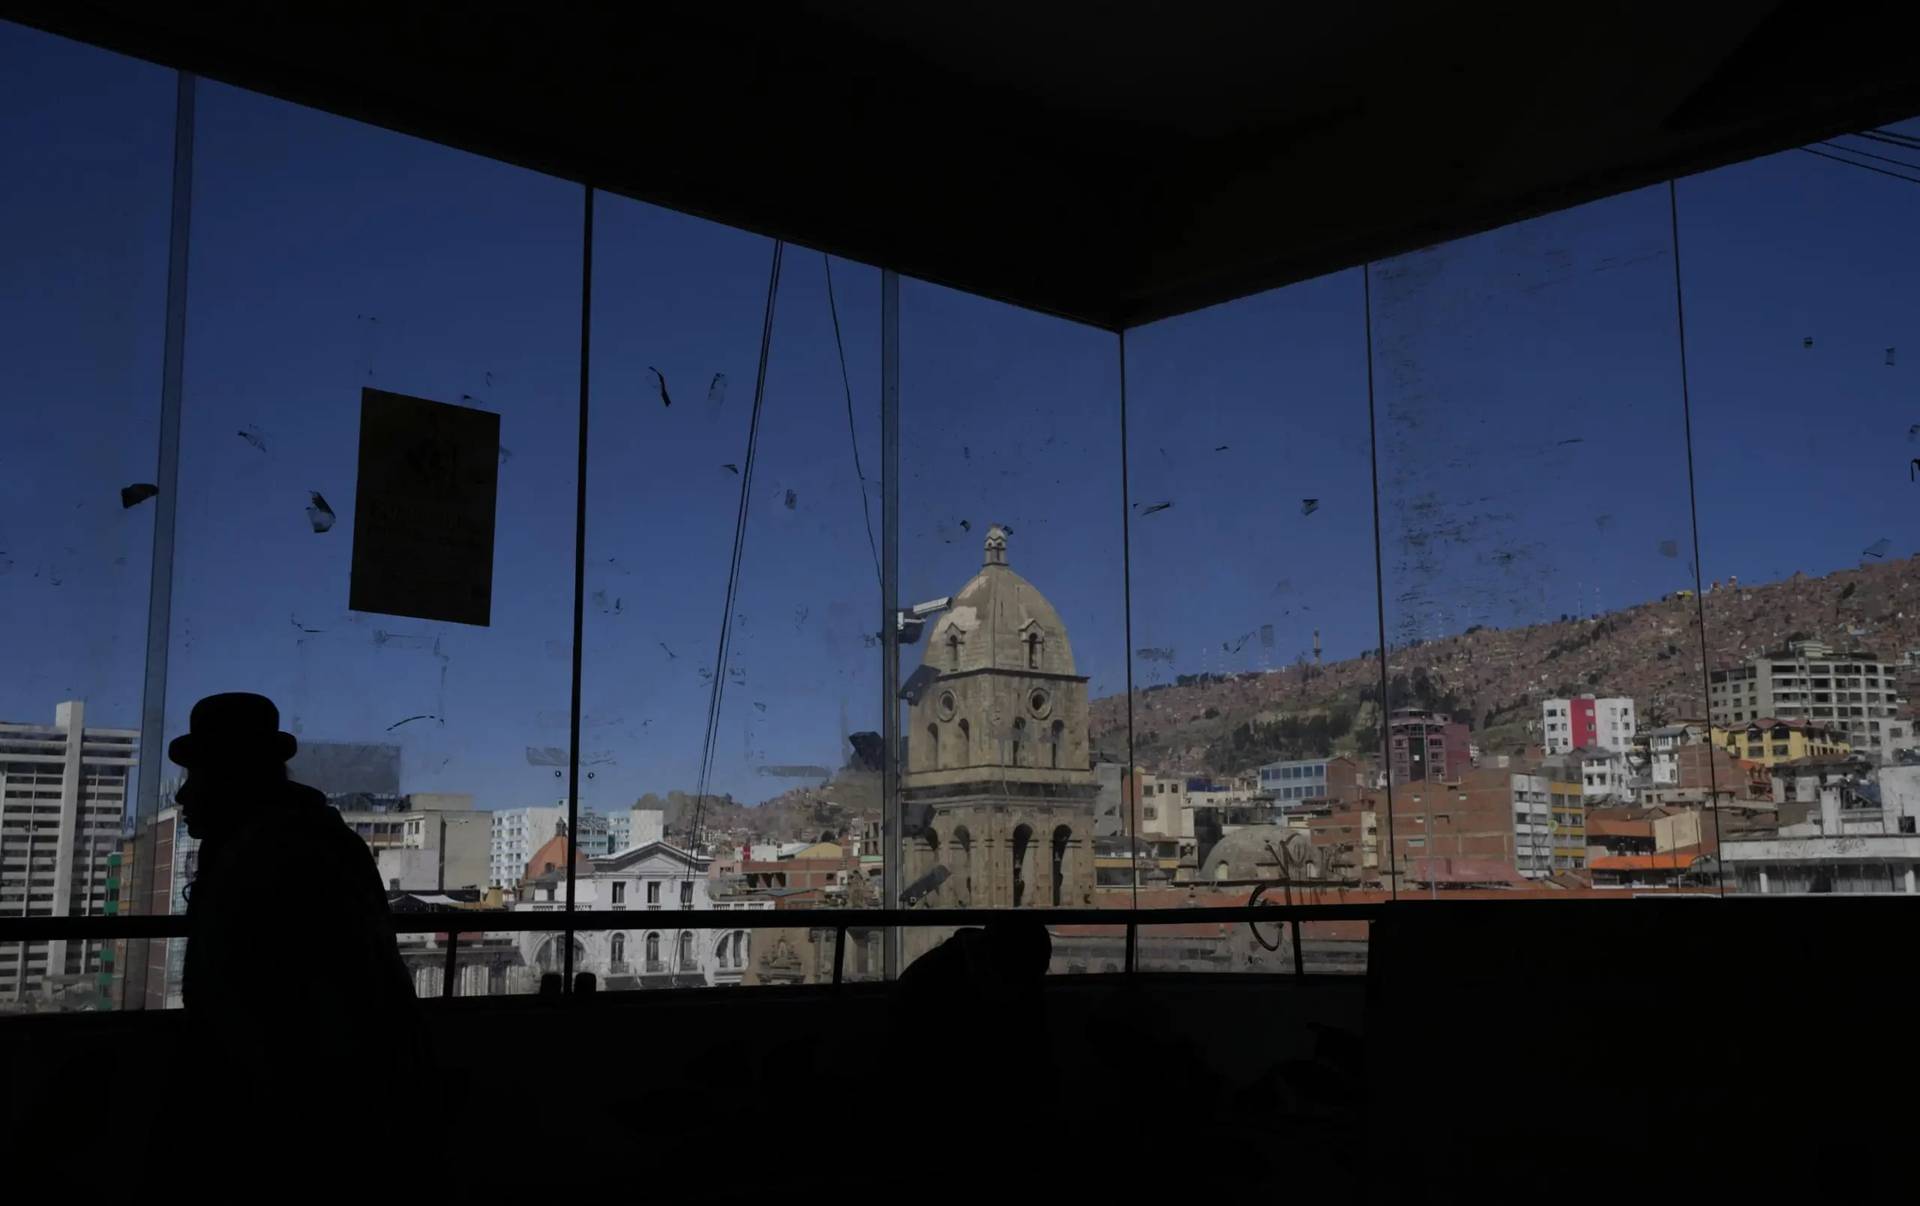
(85, 249)
(788, 757)
(1253, 607)
(1537, 547)
(1799, 271)
(1011, 549)
(330, 258)
(1141, 659)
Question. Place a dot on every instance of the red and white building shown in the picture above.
(1585, 722)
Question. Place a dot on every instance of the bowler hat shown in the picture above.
(233, 727)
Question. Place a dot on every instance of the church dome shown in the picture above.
(1261, 852)
(999, 621)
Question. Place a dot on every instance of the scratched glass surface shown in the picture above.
(329, 256)
(1536, 541)
(1800, 276)
(81, 309)
(792, 806)
(1011, 548)
(1253, 597)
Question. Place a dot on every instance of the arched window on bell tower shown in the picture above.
(1033, 641)
(1022, 838)
(1061, 836)
(1019, 735)
(933, 747)
(963, 863)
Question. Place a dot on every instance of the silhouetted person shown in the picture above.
(973, 1009)
(300, 1008)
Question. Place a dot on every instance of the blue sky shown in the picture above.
(1527, 383)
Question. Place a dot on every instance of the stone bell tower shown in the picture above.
(999, 788)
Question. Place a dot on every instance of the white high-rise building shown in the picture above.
(518, 832)
(63, 793)
(638, 826)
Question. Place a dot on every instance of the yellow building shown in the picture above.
(1768, 741)
(1569, 825)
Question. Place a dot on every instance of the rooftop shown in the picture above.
(1774, 722)
(1603, 826)
(1670, 860)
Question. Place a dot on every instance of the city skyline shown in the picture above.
(381, 767)
(1599, 803)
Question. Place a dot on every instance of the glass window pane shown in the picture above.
(86, 144)
(1799, 274)
(1253, 606)
(1537, 543)
(331, 258)
(791, 815)
(1011, 544)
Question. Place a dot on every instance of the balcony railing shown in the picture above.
(452, 924)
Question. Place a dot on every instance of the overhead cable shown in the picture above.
(718, 687)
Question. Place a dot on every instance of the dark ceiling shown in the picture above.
(1114, 163)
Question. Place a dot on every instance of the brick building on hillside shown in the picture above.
(823, 865)
(1703, 774)
(1464, 833)
(1424, 745)
(1613, 832)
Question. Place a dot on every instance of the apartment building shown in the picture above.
(158, 861)
(421, 848)
(1853, 692)
(63, 794)
(1549, 825)
(1292, 781)
(515, 833)
(1586, 722)
(1769, 740)
(1426, 745)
